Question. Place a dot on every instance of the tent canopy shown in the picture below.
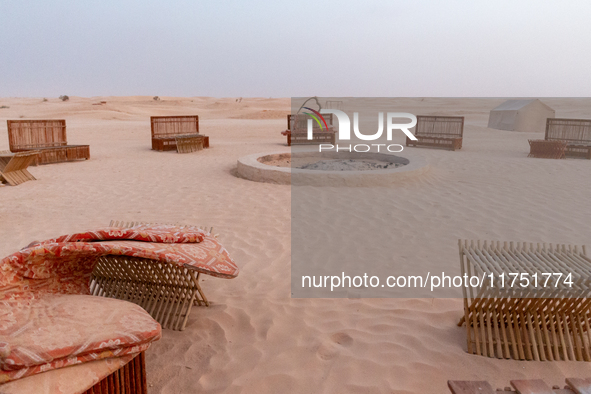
(520, 115)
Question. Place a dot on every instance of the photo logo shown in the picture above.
(315, 116)
(344, 133)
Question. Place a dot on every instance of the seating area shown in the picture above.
(13, 167)
(534, 386)
(96, 338)
(60, 335)
(545, 318)
(444, 132)
(575, 133)
(93, 302)
(180, 133)
(71, 326)
(48, 137)
(297, 131)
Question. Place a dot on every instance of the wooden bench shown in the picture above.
(438, 131)
(13, 167)
(166, 129)
(297, 131)
(575, 132)
(46, 136)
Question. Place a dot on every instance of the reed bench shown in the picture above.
(576, 133)
(297, 131)
(46, 136)
(166, 130)
(438, 131)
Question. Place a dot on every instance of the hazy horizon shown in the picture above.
(268, 49)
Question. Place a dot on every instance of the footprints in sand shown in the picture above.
(332, 346)
(342, 339)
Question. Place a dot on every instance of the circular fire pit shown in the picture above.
(331, 168)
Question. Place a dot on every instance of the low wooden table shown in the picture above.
(13, 167)
(547, 149)
(537, 316)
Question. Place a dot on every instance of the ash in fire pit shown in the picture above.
(349, 165)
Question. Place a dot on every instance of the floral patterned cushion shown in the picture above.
(47, 320)
(60, 330)
(64, 264)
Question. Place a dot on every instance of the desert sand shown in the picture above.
(255, 338)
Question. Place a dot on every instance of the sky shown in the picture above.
(270, 48)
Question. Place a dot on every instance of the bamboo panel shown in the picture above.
(547, 149)
(527, 323)
(438, 131)
(165, 126)
(165, 290)
(189, 143)
(129, 379)
(443, 126)
(575, 132)
(13, 168)
(29, 134)
(334, 104)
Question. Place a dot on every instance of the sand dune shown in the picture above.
(255, 338)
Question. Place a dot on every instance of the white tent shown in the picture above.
(520, 115)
